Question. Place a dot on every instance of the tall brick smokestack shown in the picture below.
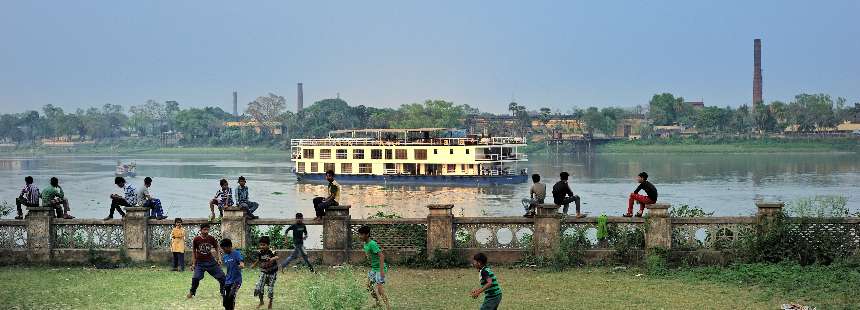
(235, 103)
(300, 100)
(757, 72)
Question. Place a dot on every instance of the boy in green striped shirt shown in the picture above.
(378, 266)
(489, 284)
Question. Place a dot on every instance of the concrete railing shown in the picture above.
(41, 238)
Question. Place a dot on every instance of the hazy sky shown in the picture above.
(558, 54)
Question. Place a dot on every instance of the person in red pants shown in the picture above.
(643, 200)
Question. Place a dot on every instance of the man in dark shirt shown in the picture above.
(562, 195)
(204, 253)
(649, 189)
(300, 233)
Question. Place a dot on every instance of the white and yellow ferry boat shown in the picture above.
(437, 156)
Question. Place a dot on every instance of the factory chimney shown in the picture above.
(235, 103)
(300, 100)
(757, 72)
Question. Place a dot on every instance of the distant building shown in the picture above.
(698, 105)
(277, 130)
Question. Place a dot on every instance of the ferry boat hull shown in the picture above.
(438, 180)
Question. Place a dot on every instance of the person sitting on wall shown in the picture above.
(54, 197)
(29, 197)
(643, 200)
(321, 204)
(145, 199)
(127, 199)
(562, 195)
(537, 194)
(243, 201)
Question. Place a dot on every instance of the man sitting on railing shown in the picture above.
(28, 197)
(537, 194)
(54, 197)
(562, 195)
(321, 204)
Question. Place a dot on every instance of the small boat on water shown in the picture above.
(423, 156)
(123, 170)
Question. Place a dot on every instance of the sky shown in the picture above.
(556, 54)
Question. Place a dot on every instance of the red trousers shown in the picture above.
(642, 199)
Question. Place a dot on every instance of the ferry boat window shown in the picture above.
(467, 151)
(346, 168)
(329, 166)
(325, 154)
(400, 154)
(308, 153)
(365, 168)
(358, 154)
(388, 154)
(435, 151)
(452, 168)
(300, 167)
(421, 154)
(340, 154)
(375, 154)
(315, 167)
(451, 151)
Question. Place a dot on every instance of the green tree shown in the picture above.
(665, 109)
(267, 111)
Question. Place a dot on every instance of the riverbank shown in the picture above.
(653, 146)
(713, 146)
(743, 287)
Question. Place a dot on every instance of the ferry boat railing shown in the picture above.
(383, 142)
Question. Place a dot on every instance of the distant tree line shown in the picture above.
(207, 125)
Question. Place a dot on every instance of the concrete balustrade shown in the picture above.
(503, 237)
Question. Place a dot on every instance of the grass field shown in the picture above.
(581, 288)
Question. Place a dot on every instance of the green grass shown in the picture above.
(580, 288)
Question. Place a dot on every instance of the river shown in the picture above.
(728, 184)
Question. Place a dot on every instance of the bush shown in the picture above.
(442, 259)
(344, 290)
(656, 262)
(5, 208)
(802, 240)
(688, 211)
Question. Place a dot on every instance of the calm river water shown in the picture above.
(728, 184)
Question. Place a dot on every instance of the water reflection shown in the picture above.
(725, 183)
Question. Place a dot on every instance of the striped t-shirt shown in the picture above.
(31, 193)
(487, 275)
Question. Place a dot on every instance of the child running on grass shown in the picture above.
(378, 267)
(204, 258)
(177, 245)
(268, 262)
(300, 233)
(489, 284)
(234, 262)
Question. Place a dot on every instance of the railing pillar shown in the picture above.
(440, 228)
(233, 226)
(336, 235)
(134, 229)
(39, 234)
(547, 230)
(658, 232)
(767, 214)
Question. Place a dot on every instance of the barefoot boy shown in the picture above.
(649, 189)
(268, 262)
(204, 257)
(489, 284)
(378, 267)
(223, 198)
(234, 262)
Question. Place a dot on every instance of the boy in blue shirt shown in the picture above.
(234, 262)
